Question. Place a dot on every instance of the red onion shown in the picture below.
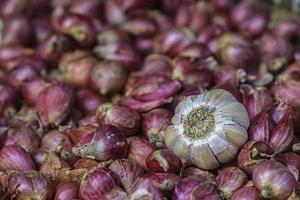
(163, 161)
(116, 194)
(54, 103)
(246, 193)
(276, 51)
(292, 162)
(15, 158)
(18, 30)
(106, 143)
(165, 182)
(76, 67)
(255, 100)
(139, 150)
(30, 90)
(30, 185)
(55, 141)
(52, 47)
(274, 126)
(201, 175)
(66, 190)
(22, 136)
(157, 63)
(122, 117)
(19, 75)
(128, 172)
(229, 180)
(287, 29)
(97, 183)
(88, 101)
(92, 8)
(108, 77)
(120, 52)
(155, 123)
(273, 180)
(191, 188)
(39, 156)
(76, 134)
(253, 153)
(78, 27)
(140, 26)
(144, 189)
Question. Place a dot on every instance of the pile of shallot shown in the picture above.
(148, 99)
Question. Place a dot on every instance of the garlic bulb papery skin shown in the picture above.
(208, 129)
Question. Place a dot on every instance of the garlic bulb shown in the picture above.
(208, 129)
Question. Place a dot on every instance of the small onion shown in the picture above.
(15, 158)
(97, 183)
(127, 170)
(66, 190)
(273, 180)
(30, 185)
(144, 189)
(164, 161)
(106, 143)
(246, 193)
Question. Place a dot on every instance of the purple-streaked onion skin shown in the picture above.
(76, 67)
(253, 153)
(155, 123)
(78, 27)
(29, 185)
(157, 63)
(76, 134)
(88, 101)
(91, 9)
(287, 29)
(21, 74)
(108, 77)
(15, 158)
(97, 183)
(140, 26)
(273, 180)
(66, 190)
(30, 90)
(164, 161)
(53, 47)
(192, 188)
(292, 161)
(22, 136)
(116, 194)
(165, 182)
(246, 193)
(222, 5)
(275, 51)
(255, 100)
(54, 103)
(128, 172)
(139, 150)
(120, 52)
(143, 188)
(274, 126)
(39, 156)
(229, 180)
(18, 30)
(54, 141)
(107, 142)
(125, 118)
(200, 174)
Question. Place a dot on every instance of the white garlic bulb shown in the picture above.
(208, 129)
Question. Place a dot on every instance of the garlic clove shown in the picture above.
(235, 134)
(237, 112)
(203, 157)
